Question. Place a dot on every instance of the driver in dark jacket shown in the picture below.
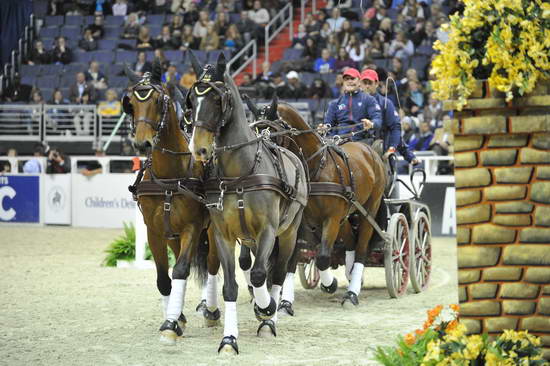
(351, 108)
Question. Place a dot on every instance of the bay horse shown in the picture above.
(169, 198)
(257, 192)
(344, 179)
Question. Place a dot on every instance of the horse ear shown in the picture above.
(252, 106)
(274, 102)
(156, 75)
(221, 66)
(134, 79)
(178, 96)
(195, 63)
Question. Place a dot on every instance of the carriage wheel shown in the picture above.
(421, 252)
(396, 255)
(309, 274)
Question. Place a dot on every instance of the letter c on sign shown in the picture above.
(6, 215)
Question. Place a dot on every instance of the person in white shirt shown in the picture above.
(335, 21)
(200, 28)
(120, 8)
(259, 15)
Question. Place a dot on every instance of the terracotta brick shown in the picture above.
(492, 234)
(530, 123)
(484, 125)
(503, 193)
(519, 290)
(498, 157)
(499, 324)
(512, 220)
(473, 326)
(468, 276)
(534, 235)
(513, 175)
(473, 214)
(518, 307)
(462, 235)
(514, 207)
(467, 197)
(536, 324)
(508, 140)
(534, 156)
(465, 160)
(541, 141)
(543, 172)
(483, 290)
(478, 177)
(540, 192)
(502, 274)
(538, 274)
(478, 256)
(480, 308)
(544, 306)
(526, 254)
(465, 143)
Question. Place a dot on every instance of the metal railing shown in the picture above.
(303, 4)
(244, 53)
(20, 122)
(70, 122)
(284, 21)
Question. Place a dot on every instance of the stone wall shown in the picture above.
(502, 171)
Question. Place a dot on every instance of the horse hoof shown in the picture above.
(285, 308)
(267, 329)
(330, 289)
(267, 313)
(212, 318)
(350, 300)
(228, 346)
(201, 307)
(182, 321)
(170, 331)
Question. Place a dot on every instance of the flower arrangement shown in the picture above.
(442, 341)
(506, 42)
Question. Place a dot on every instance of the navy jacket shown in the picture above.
(350, 109)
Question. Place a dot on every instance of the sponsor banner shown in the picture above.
(102, 200)
(20, 198)
(57, 199)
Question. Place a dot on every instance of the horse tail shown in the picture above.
(199, 262)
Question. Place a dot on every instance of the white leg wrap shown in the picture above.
(204, 289)
(288, 288)
(326, 277)
(212, 293)
(247, 277)
(350, 258)
(165, 300)
(230, 327)
(175, 305)
(261, 296)
(356, 277)
(275, 294)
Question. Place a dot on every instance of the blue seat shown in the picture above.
(234, 17)
(107, 44)
(174, 56)
(75, 20)
(82, 56)
(71, 33)
(103, 57)
(307, 78)
(74, 67)
(114, 20)
(52, 69)
(111, 33)
(118, 82)
(66, 79)
(381, 62)
(200, 55)
(30, 70)
(129, 43)
(47, 81)
(47, 94)
(330, 79)
(115, 70)
(292, 54)
(425, 50)
(154, 30)
(419, 63)
(49, 32)
(213, 55)
(65, 92)
(125, 56)
(40, 8)
(53, 21)
(155, 19)
(28, 79)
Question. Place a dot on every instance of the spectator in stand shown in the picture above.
(345, 33)
(179, 6)
(83, 118)
(318, 90)
(313, 26)
(56, 116)
(93, 167)
(61, 54)
(171, 75)
(110, 107)
(401, 47)
(419, 33)
(176, 24)
(58, 162)
(34, 165)
(191, 15)
(247, 27)
(335, 21)
(141, 65)
(144, 39)
(332, 44)
(97, 27)
(431, 34)
(433, 112)
(200, 27)
(88, 43)
(324, 64)
(299, 38)
(233, 39)
(188, 41)
(441, 34)
(376, 49)
(221, 24)
(36, 116)
(211, 41)
(336, 90)
(422, 140)
(414, 98)
(39, 55)
(325, 32)
(95, 77)
(17, 92)
(258, 14)
(276, 87)
(164, 40)
(366, 30)
(356, 50)
(412, 10)
(407, 130)
(397, 68)
(159, 53)
(386, 28)
(294, 88)
(343, 4)
(188, 79)
(131, 27)
(263, 79)
(343, 61)
(79, 87)
(120, 8)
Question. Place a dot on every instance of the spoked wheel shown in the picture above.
(396, 255)
(309, 274)
(421, 252)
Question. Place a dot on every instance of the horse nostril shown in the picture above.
(142, 146)
(202, 151)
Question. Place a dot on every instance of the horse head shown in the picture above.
(147, 102)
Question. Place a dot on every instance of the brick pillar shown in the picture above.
(502, 160)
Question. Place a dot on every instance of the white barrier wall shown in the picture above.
(57, 199)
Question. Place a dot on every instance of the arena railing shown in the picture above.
(283, 18)
(244, 53)
(303, 4)
(108, 124)
(19, 122)
(70, 122)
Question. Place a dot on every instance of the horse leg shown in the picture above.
(287, 296)
(159, 251)
(264, 305)
(329, 283)
(211, 312)
(245, 262)
(226, 253)
(348, 237)
(170, 330)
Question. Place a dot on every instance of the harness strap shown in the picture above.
(240, 206)
(167, 208)
(134, 187)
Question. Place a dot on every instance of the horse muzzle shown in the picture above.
(143, 146)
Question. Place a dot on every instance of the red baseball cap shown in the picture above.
(350, 71)
(369, 74)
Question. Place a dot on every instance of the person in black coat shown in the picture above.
(88, 43)
(39, 55)
(61, 52)
(18, 92)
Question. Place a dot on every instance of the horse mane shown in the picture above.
(291, 116)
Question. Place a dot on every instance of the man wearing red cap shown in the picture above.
(390, 129)
(352, 107)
